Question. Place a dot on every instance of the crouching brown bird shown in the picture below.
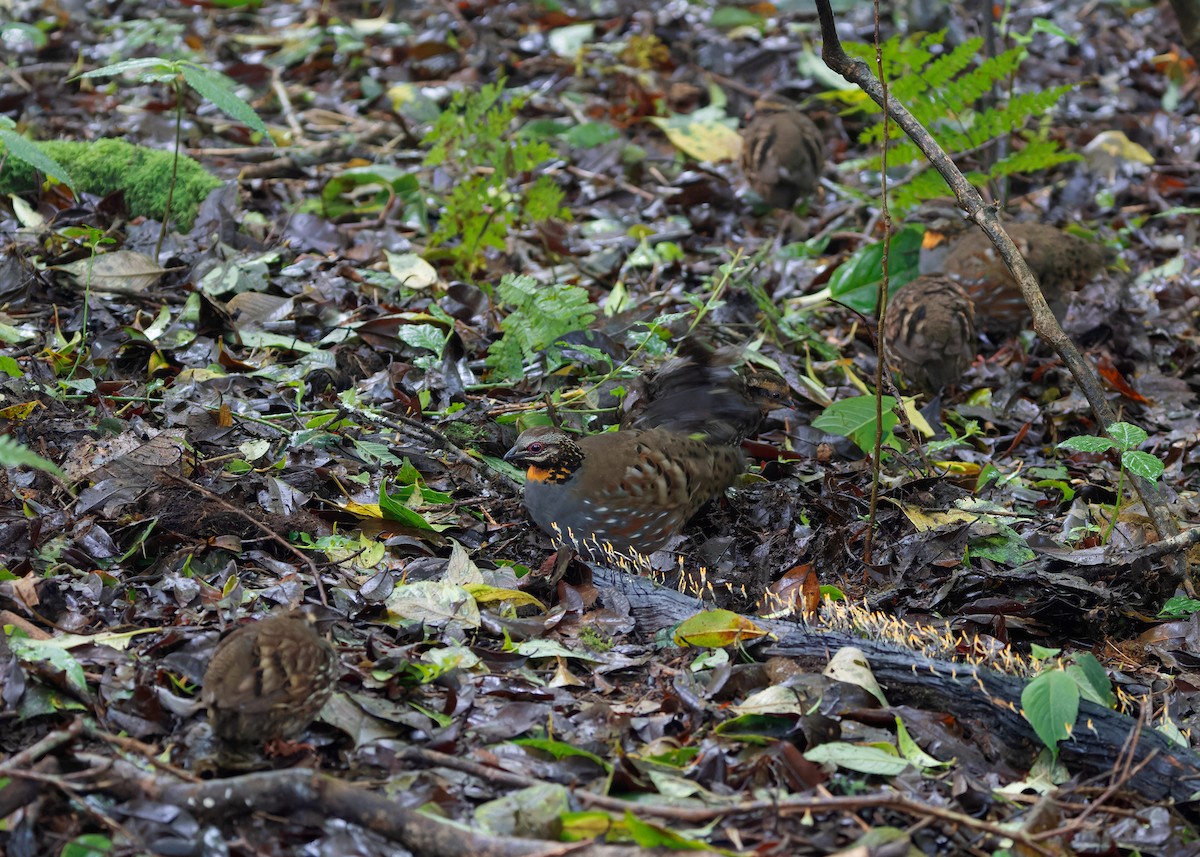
(1062, 262)
(783, 152)
(268, 680)
(636, 488)
(929, 335)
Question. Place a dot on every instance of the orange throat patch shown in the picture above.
(543, 474)
(932, 239)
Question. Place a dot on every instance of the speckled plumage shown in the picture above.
(929, 333)
(783, 152)
(628, 489)
(269, 680)
(1062, 262)
(699, 392)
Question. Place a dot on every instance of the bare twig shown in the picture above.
(267, 531)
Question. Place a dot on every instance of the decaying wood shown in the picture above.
(987, 701)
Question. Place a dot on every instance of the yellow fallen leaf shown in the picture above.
(715, 629)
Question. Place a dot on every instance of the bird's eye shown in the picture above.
(535, 447)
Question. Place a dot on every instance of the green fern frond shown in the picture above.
(944, 93)
(491, 193)
(539, 315)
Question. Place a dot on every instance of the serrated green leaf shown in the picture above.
(1087, 443)
(1127, 435)
(219, 89)
(1142, 464)
(157, 65)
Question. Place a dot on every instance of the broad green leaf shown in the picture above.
(1142, 464)
(88, 845)
(568, 41)
(776, 699)
(1088, 443)
(589, 135)
(394, 507)
(560, 750)
(543, 648)
(715, 629)
(1003, 545)
(731, 17)
(434, 604)
(35, 36)
(411, 270)
(855, 418)
(650, 835)
(59, 658)
(25, 150)
(529, 812)
(858, 757)
(1042, 653)
(1127, 435)
(910, 750)
(856, 281)
(1179, 606)
(1050, 702)
(706, 134)
(1091, 678)
(10, 367)
(16, 454)
(850, 664)
(485, 594)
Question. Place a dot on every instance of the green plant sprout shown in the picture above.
(1124, 438)
(471, 140)
(1050, 701)
(209, 84)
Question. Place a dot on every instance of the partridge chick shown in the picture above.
(783, 152)
(632, 489)
(929, 335)
(268, 680)
(1062, 262)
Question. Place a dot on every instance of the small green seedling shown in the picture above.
(1125, 438)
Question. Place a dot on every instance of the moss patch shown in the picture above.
(107, 165)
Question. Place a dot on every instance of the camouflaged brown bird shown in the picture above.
(929, 334)
(701, 391)
(636, 488)
(269, 679)
(783, 152)
(1062, 263)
